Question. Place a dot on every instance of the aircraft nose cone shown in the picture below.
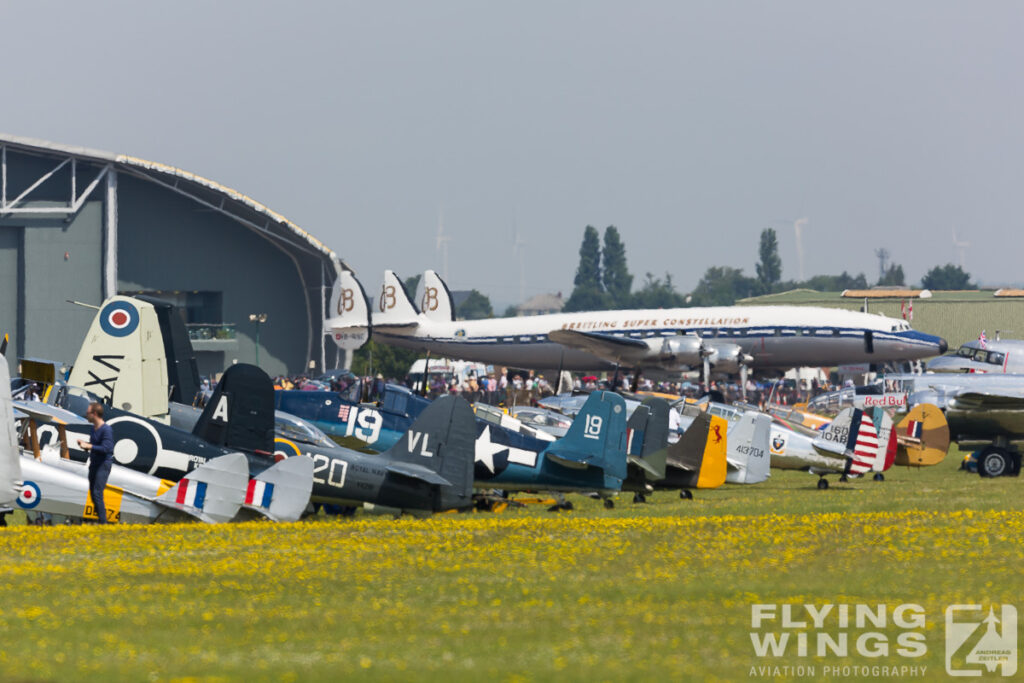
(943, 346)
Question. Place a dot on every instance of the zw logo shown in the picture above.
(108, 383)
(414, 440)
(387, 298)
(974, 640)
(430, 301)
(592, 427)
(346, 301)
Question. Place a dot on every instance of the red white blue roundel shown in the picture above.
(119, 318)
(29, 496)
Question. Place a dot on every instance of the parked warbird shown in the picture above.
(725, 340)
(212, 493)
(850, 445)
(747, 439)
(992, 421)
(990, 356)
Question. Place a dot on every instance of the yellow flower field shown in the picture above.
(656, 592)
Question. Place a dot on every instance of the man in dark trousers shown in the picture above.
(100, 447)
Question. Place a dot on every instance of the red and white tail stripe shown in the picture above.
(865, 452)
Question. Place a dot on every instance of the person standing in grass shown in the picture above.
(100, 448)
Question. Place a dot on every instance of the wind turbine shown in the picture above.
(960, 248)
(798, 230)
(442, 244)
(519, 250)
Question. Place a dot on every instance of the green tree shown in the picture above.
(947, 277)
(893, 276)
(475, 307)
(391, 361)
(769, 269)
(722, 286)
(412, 283)
(833, 283)
(588, 293)
(658, 293)
(615, 273)
(511, 311)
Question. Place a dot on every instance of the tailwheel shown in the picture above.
(823, 483)
(639, 498)
(879, 476)
(686, 494)
(843, 479)
(609, 503)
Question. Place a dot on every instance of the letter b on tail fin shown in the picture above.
(348, 315)
(436, 302)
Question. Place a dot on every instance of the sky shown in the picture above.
(691, 126)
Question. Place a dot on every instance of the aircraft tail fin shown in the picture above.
(439, 449)
(701, 450)
(436, 302)
(596, 438)
(240, 414)
(395, 308)
(349, 322)
(10, 455)
(281, 492)
(647, 438)
(123, 358)
(213, 492)
(887, 444)
(182, 367)
(748, 460)
(922, 436)
(865, 446)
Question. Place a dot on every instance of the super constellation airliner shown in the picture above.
(726, 339)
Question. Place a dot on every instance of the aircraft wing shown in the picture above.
(646, 467)
(413, 471)
(600, 344)
(1004, 400)
(44, 412)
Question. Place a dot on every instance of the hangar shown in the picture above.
(80, 225)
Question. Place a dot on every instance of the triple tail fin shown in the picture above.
(395, 308)
(213, 492)
(436, 302)
(349, 313)
(922, 436)
(240, 414)
(596, 438)
(439, 449)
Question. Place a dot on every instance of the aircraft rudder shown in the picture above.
(348, 321)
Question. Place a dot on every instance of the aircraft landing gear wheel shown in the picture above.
(685, 494)
(555, 508)
(823, 484)
(994, 462)
(609, 503)
(639, 498)
(879, 476)
(567, 505)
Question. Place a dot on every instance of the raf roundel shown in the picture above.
(29, 496)
(119, 319)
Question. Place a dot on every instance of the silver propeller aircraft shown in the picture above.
(726, 340)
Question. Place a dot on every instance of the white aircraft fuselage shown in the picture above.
(776, 337)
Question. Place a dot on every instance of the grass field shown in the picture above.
(661, 591)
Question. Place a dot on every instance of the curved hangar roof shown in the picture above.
(224, 199)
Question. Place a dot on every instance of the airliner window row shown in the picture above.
(707, 333)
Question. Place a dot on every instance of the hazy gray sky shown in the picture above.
(690, 126)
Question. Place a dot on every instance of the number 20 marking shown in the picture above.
(322, 462)
(592, 427)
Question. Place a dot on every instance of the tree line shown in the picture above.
(603, 280)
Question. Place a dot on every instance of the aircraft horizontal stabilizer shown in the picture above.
(213, 492)
(281, 492)
(654, 472)
(43, 412)
(413, 471)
